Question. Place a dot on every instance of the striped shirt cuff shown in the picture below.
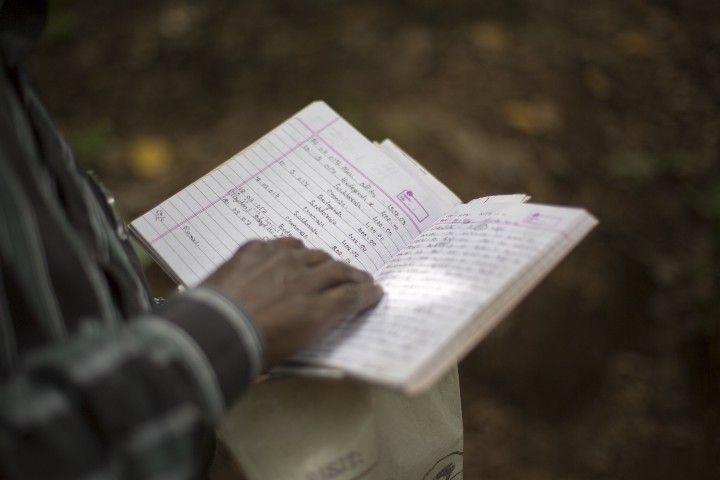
(224, 331)
(239, 318)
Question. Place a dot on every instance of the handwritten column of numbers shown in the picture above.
(287, 184)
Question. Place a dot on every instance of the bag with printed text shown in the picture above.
(308, 429)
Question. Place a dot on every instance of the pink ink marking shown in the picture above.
(540, 219)
(259, 172)
(408, 199)
(361, 173)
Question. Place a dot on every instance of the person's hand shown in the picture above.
(294, 294)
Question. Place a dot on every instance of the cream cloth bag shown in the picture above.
(307, 429)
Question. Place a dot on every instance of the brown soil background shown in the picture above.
(611, 368)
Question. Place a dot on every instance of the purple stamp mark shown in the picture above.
(542, 220)
(407, 198)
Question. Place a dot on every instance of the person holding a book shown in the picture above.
(96, 380)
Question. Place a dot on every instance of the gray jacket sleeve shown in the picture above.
(92, 383)
(134, 402)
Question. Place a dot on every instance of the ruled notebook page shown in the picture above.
(450, 286)
(315, 178)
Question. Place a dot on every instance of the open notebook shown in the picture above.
(450, 271)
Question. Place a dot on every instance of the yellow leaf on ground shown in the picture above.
(633, 43)
(149, 156)
(532, 118)
(490, 35)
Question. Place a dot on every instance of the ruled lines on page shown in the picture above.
(315, 178)
(467, 262)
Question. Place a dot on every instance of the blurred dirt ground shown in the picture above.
(609, 370)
